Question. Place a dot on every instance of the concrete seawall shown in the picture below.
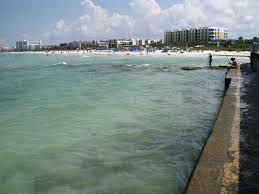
(217, 170)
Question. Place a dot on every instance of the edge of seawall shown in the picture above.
(217, 168)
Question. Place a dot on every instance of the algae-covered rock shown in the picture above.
(191, 68)
(219, 67)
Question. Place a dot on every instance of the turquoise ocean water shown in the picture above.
(103, 124)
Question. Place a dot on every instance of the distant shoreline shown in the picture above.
(215, 54)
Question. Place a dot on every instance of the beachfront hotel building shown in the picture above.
(28, 45)
(103, 44)
(127, 43)
(194, 36)
(119, 43)
(140, 42)
(168, 37)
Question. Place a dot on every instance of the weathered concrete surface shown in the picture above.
(249, 132)
(217, 170)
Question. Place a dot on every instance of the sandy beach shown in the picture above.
(215, 54)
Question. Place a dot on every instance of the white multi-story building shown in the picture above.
(28, 45)
(200, 35)
(217, 33)
(117, 43)
(103, 43)
(168, 37)
(192, 35)
(156, 41)
(140, 42)
(125, 43)
(148, 41)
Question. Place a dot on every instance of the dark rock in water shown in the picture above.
(191, 68)
(163, 69)
(220, 67)
(207, 67)
(166, 70)
(223, 66)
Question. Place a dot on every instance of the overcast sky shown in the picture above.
(55, 21)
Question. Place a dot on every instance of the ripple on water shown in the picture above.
(103, 124)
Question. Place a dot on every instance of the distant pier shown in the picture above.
(231, 55)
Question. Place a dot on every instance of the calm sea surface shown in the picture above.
(103, 124)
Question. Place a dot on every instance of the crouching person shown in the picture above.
(233, 63)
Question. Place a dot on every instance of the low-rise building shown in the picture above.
(125, 43)
(140, 42)
(50, 47)
(88, 44)
(148, 42)
(103, 44)
(63, 46)
(113, 43)
(28, 45)
(74, 45)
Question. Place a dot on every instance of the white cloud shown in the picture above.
(96, 22)
(60, 25)
(147, 19)
(60, 32)
(240, 16)
(59, 29)
(146, 7)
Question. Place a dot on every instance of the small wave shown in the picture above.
(143, 65)
(59, 63)
(85, 56)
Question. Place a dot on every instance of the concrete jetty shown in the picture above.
(218, 165)
(228, 162)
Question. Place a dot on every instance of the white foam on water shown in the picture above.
(143, 65)
(59, 63)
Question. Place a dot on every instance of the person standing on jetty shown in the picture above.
(210, 60)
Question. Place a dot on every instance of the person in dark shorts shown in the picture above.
(210, 60)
